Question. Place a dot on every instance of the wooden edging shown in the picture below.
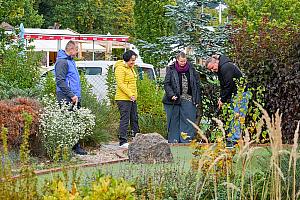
(59, 169)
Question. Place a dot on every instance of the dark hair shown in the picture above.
(128, 54)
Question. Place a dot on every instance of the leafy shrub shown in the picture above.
(19, 68)
(208, 107)
(106, 116)
(98, 187)
(8, 91)
(111, 85)
(109, 188)
(62, 128)
(152, 117)
(26, 187)
(277, 11)
(11, 117)
(270, 59)
(48, 86)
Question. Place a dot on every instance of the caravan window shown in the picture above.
(148, 71)
(91, 70)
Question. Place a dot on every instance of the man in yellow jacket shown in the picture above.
(126, 95)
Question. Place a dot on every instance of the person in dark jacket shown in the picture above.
(68, 88)
(182, 96)
(227, 73)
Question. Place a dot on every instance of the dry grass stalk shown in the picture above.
(297, 195)
(231, 186)
(272, 184)
(220, 157)
(220, 126)
(201, 163)
(199, 131)
(274, 127)
(258, 129)
(293, 159)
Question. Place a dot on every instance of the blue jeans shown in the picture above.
(239, 107)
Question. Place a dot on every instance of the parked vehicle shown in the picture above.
(96, 74)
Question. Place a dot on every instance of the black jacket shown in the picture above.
(172, 85)
(226, 74)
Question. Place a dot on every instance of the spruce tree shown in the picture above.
(191, 33)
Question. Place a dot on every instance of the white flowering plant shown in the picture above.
(61, 127)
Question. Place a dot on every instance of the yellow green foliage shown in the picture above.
(213, 159)
(60, 192)
(104, 188)
(108, 188)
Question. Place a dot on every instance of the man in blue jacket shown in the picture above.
(68, 88)
(227, 73)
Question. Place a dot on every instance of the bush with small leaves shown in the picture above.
(62, 127)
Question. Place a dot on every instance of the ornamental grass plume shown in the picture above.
(244, 179)
(274, 127)
(293, 164)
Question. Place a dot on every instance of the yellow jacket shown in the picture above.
(126, 81)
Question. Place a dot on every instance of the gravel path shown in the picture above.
(106, 152)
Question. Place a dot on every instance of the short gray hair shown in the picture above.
(180, 55)
(211, 59)
(70, 45)
(208, 60)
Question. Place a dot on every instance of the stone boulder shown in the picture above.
(149, 148)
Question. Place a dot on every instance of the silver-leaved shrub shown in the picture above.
(62, 128)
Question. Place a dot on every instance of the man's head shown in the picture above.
(129, 57)
(72, 48)
(212, 64)
(181, 59)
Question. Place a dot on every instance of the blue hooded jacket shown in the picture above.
(67, 77)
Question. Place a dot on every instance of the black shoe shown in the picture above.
(131, 134)
(78, 150)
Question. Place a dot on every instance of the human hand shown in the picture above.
(174, 98)
(132, 98)
(220, 103)
(74, 99)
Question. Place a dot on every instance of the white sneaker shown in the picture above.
(125, 145)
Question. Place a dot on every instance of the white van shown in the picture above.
(101, 67)
(96, 74)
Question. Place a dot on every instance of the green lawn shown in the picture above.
(182, 157)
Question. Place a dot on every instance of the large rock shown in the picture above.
(149, 148)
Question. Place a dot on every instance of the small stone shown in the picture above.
(149, 148)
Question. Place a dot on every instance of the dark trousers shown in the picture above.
(177, 116)
(128, 113)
